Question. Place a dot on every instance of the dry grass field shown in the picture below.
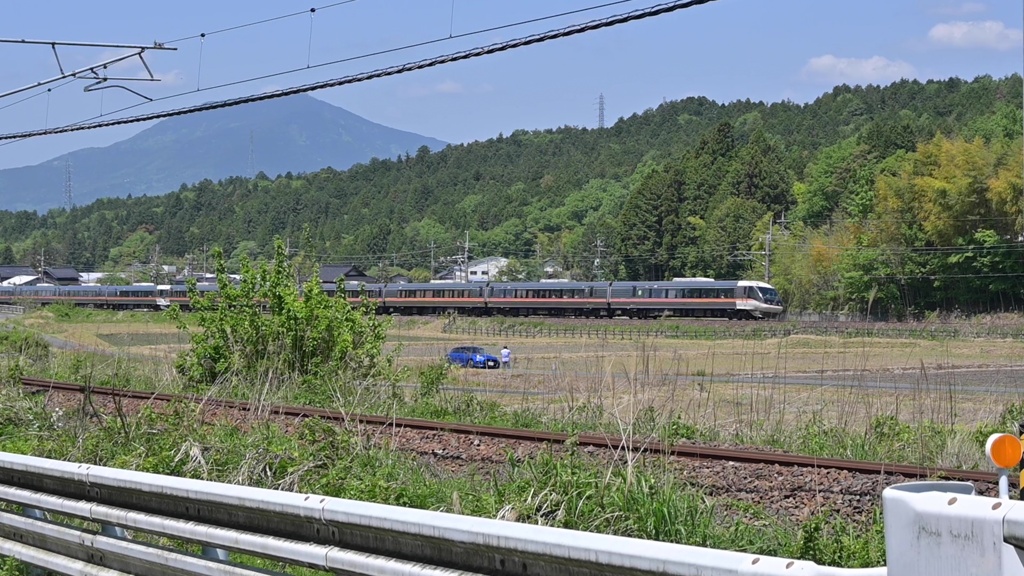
(743, 387)
(751, 390)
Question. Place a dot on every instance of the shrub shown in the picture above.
(306, 337)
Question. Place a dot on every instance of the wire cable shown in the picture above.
(37, 94)
(264, 21)
(339, 61)
(573, 30)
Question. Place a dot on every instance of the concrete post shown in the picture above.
(944, 529)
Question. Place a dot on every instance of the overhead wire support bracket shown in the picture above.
(94, 71)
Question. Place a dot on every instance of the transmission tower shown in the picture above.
(68, 194)
(600, 111)
(252, 157)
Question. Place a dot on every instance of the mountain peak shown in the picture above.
(293, 134)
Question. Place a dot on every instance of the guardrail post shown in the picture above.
(38, 515)
(113, 531)
(215, 554)
(944, 529)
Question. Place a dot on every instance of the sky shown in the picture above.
(725, 50)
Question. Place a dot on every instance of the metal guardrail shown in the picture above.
(9, 309)
(331, 534)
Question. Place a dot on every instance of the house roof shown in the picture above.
(19, 280)
(488, 260)
(330, 273)
(12, 271)
(66, 273)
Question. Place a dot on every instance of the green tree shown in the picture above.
(7, 255)
(729, 230)
(641, 245)
(137, 248)
(314, 340)
(759, 174)
(842, 175)
(517, 270)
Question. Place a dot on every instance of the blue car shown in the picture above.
(472, 357)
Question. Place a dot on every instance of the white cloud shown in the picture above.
(445, 87)
(448, 87)
(872, 70)
(961, 9)
(987, 34)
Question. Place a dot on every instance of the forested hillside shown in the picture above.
(896, 199)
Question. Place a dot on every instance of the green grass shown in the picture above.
(573, 491)
(124, 340)
(75, 315)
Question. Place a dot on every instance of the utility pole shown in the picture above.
(767, 252)
(465, 258)
(68, 197)
(431, 259)
(204, 261)
(252, 157)
(597, 263)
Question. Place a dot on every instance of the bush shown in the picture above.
(306, 337)
(432, 378)
(17, 342)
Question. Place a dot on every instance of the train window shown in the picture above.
(640, 292)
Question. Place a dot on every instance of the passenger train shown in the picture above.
(732, 299)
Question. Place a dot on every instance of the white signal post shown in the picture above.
(1005, 451)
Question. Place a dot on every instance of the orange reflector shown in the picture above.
(1004, 450)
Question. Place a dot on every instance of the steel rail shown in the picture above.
(683, 450)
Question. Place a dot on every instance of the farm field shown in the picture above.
(741, 388)
(896, 400)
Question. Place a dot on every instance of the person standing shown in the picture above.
(506, 357)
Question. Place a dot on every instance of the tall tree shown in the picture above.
(759, 174)
(641, 244)
(7, 255)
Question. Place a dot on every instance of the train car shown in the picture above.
(700, 298)
(434, 298)
(692, 297)
(170, 294)
(134, 297)
(85, 296)
(586, 299)
(355, 291)
(42, 294)
(761, 300)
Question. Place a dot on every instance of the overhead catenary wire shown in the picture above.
(572, 30)
(37, 94)
(258, 22)
(202, 36)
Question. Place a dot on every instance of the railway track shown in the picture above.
(684, 450)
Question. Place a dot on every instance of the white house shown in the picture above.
(478, 270)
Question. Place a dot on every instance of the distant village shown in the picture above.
(482, 270)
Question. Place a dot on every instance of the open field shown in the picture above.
(734, 391)
(761, 392)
